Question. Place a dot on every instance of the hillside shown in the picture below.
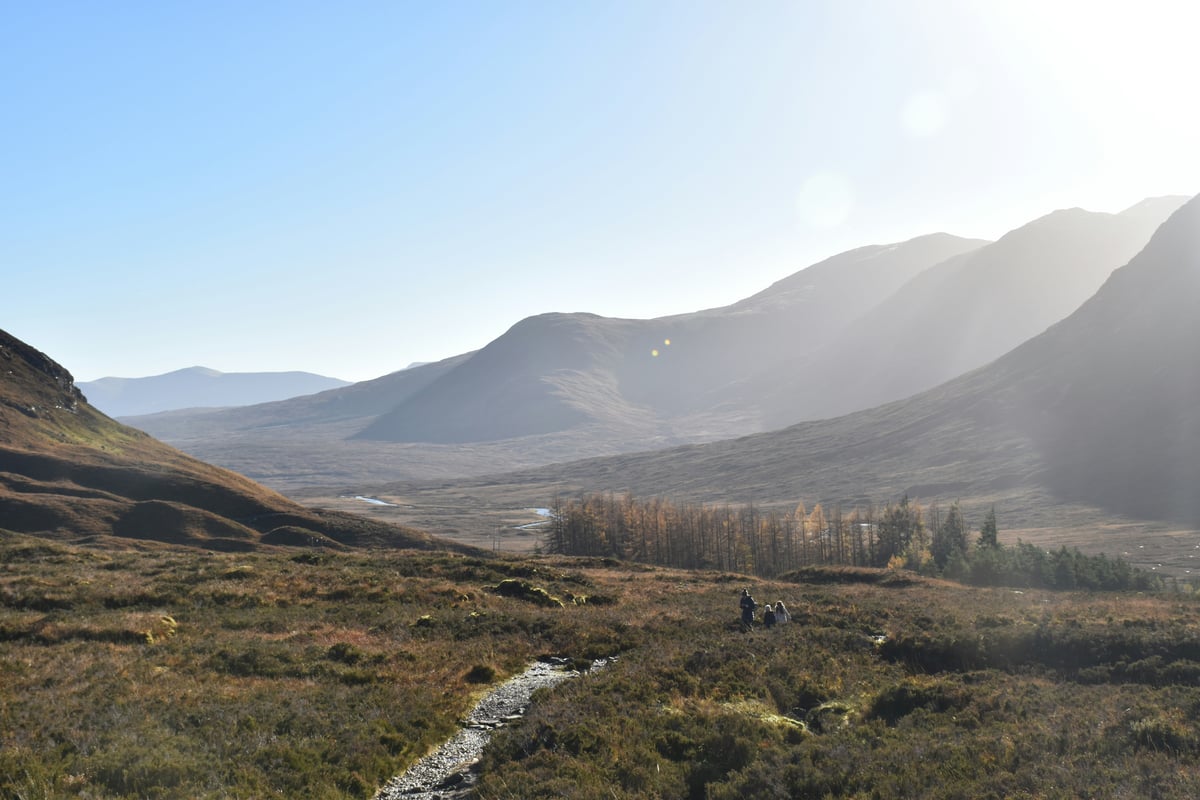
(871, 325)
(1091, 424)
(964, 313)
(560, 371)
(199, 387)
(70, 472)
(570, 384)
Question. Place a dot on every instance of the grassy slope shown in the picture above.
(174, 673)
(68, 470)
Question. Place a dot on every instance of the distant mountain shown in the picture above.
(864, 327)
(860, 329)
(555, 372)
(1111, 396)
(200, 387)
(547, 372)
(68, 471)
(1100, 409)
(962, 313)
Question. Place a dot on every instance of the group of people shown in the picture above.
(772, 615)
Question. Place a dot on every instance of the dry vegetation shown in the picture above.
(172, 672)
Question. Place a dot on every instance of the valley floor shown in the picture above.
(177, 672)
(504, 518)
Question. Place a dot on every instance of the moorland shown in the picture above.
(159, 671)
(169, 628)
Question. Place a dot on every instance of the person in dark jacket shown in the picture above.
(748, 605)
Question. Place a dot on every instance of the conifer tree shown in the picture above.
(949, 537)
(987, 532)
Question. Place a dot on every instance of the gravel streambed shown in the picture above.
(445, 773)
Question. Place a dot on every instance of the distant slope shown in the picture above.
(567, 386)
(546, 374)
(1111, 396)
(560, 371)
(357, 403)
(66, 470)
(199, 387)
(1100, 409)
(963, 313)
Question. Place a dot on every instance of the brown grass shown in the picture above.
(323, 674)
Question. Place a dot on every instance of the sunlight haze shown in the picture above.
(349, 189)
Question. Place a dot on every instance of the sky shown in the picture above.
(347, 188)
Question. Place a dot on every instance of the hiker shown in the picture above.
(782, 615)
(748, 605)
(769, 616)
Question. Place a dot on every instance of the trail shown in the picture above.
(446, 774)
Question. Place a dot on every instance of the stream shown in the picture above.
(445, 773)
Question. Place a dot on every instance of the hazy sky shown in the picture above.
(348, 187)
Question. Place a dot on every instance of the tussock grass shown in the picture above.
(177, 673)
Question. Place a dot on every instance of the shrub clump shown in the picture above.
(480, 673)
(1164, 732)
(899, 701)
(523, 590)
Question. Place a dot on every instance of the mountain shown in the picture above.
(836, 336)
(199, 387)
(1110, 395)
(1098, 411)
(962, 313)
(862, 328)
(562, 383)
(556, 372)
(69, 471)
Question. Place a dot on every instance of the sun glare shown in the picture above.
(1126, 70)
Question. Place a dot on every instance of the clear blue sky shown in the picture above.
(345, 188)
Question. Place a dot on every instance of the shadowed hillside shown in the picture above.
(964, 313)
(885, 321)
(1099, 410)
(1110, 395)
(68, 471)
(559, 371)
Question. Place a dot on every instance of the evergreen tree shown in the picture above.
(949, 537)
(900, 526)
(987, 532)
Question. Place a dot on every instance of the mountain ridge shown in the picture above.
(200, 387)
(965, 312)
(1099, 410)
(617, 385)
(642, 370)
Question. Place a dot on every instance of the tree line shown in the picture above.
(747, 539)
